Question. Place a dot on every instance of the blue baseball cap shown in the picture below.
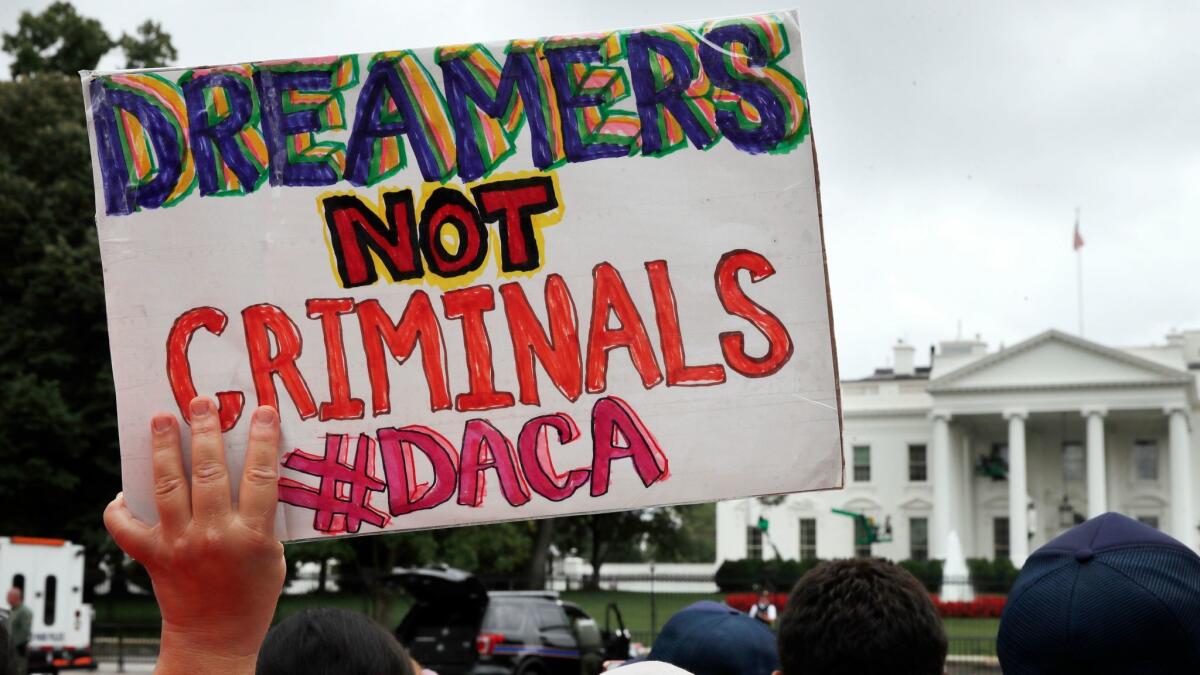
(1108, 596)
(708, 638)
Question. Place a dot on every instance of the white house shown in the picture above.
(1006, 448)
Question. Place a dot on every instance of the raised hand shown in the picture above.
(217, 569)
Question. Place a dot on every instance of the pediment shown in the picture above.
(861, 504)
(1056, 359)
(917, 504)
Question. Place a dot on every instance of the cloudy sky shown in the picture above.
(955, 140)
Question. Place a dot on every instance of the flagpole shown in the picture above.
(1079, 271)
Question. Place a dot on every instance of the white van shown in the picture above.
(50, 574)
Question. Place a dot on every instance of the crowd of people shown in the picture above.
(1110, 596)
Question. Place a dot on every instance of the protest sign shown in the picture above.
(586, 272)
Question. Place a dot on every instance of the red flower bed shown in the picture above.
(743, 601)
(982, 607)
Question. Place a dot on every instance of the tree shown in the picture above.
(624, 535)
(151, 48)
(59, 455)
(58, 40)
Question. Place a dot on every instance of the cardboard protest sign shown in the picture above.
(479, 282)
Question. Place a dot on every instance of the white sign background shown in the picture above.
(776, 434)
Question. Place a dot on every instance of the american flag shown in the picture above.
(1078, 242)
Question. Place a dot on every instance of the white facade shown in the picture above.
(1083, 429)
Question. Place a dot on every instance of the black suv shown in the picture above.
(457, 627)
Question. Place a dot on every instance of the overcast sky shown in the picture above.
(955, 140)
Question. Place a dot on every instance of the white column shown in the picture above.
(1018, 500)
(943, 484)
(1097, 473)
(1182, 523)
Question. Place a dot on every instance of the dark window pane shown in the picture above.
(917, 464)
(808, 538)
(862, 463)
(1000, 537)
(50, 601)
(754, 537)
(918, 529)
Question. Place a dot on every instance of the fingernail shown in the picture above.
(264, 416)
(200, 407)
(161, 423)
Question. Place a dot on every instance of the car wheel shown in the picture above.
(531, 669)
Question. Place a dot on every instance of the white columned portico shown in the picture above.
(943, 484)
(1097, 474)
(1018, 508)
(1181, 475)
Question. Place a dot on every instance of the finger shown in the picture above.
(132, 535)
(260, 479)
(210, 474)
(170, 483)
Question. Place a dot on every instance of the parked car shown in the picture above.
(457, 627)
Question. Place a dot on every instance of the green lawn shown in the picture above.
(967, 636)
(636, 607)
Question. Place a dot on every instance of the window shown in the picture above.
(50, 601)
(808, 538)
(548, 616)
(1073, 463)
(1000, 537)
(917, 468)
(1152, 521)
(862, 463)
(918, 538)
(1145, 460)
(862, 547)
(754, 537)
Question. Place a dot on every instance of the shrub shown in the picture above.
(992, 576)
(928, 572)
(734, 576)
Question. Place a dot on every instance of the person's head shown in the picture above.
(764, 597)
(329, 641)
(1108, 596)
(708, 638)
(863, 616)
(15, 597)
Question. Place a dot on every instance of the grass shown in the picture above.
(636, 607)
(967, 636)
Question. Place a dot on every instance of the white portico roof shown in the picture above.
(1054, 360)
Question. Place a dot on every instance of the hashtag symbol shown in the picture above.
(342, 499)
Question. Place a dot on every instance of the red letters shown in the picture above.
(534, 448)
(610, 294)
(405, 495)
(612, 421)
(667, 316)
(340, 405)
(559, 355)
(258, 321)
(469, 304)
(514, 203)
(179, 369)
(417, 324)
(483, 448)
(735, 301)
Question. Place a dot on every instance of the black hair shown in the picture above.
(863, 616)
(331, 641)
